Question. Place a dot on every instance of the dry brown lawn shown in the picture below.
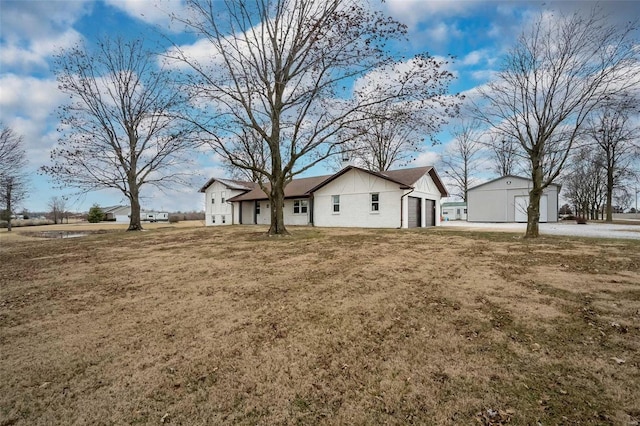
(202, 326)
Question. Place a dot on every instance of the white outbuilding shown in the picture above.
(118, 214)
(456, 210)
(506, 199)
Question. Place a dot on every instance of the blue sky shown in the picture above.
(478, 33)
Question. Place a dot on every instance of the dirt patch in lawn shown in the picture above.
(330, 326)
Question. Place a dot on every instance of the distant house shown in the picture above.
(119, 214)
(454, 210)
(154, 216)
(506, 200)
(353, 197)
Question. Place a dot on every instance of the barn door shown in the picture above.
(415, 213)
(430, 212)
(543, 208)
(522, 203)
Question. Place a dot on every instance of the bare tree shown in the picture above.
(461, 158)
(556, 74)
(505, 154)
(251, 152)
(585, 184)
(121, 129)
(13, 180)
(391, 133)
(58, 207)
(285, 71)
(615, 137)
(12, 155)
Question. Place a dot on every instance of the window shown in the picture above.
(213, 218)
(213, 198)
(375, 202)
(300, 206)
(224, 219)
(336, 203)
(222, 195)
(465, 211)
(257, 207)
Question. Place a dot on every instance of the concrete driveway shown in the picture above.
(570, 228)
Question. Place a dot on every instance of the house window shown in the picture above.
(300, 206)
(257, 208)
(213, 218)
(375, 202)
(213, 198)
(336, 203)
(465, 211)
(224, 219)
(222, 195)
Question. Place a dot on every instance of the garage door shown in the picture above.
(430, 212)
(414, 212)
(522, 203)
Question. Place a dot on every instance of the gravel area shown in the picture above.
(595, 230)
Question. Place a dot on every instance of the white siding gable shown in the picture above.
(216, 211)
(355, 188)
(425, 188)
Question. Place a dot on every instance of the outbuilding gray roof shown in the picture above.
(509, 177)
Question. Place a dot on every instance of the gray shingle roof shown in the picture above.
(230, 183)
(296, 188)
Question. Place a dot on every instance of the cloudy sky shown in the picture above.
(477, 33)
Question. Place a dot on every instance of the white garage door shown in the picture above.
(521, 204)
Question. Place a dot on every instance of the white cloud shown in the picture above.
(483, 75)
(474, 57)
(37, 52)
(32, 31)
(411, 12)
(443, 32)
(26, 103)
(427, 158)
(153, 12)
(200, 52)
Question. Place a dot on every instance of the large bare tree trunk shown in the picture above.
(134, 200)
(277, 199)
(277, 211)
(610, 182)
(533, 214)
(9, 211)
(533, 211)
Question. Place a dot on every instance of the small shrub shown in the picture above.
(174, 219)
(581, 220)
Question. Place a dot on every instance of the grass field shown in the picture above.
(330, 326)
